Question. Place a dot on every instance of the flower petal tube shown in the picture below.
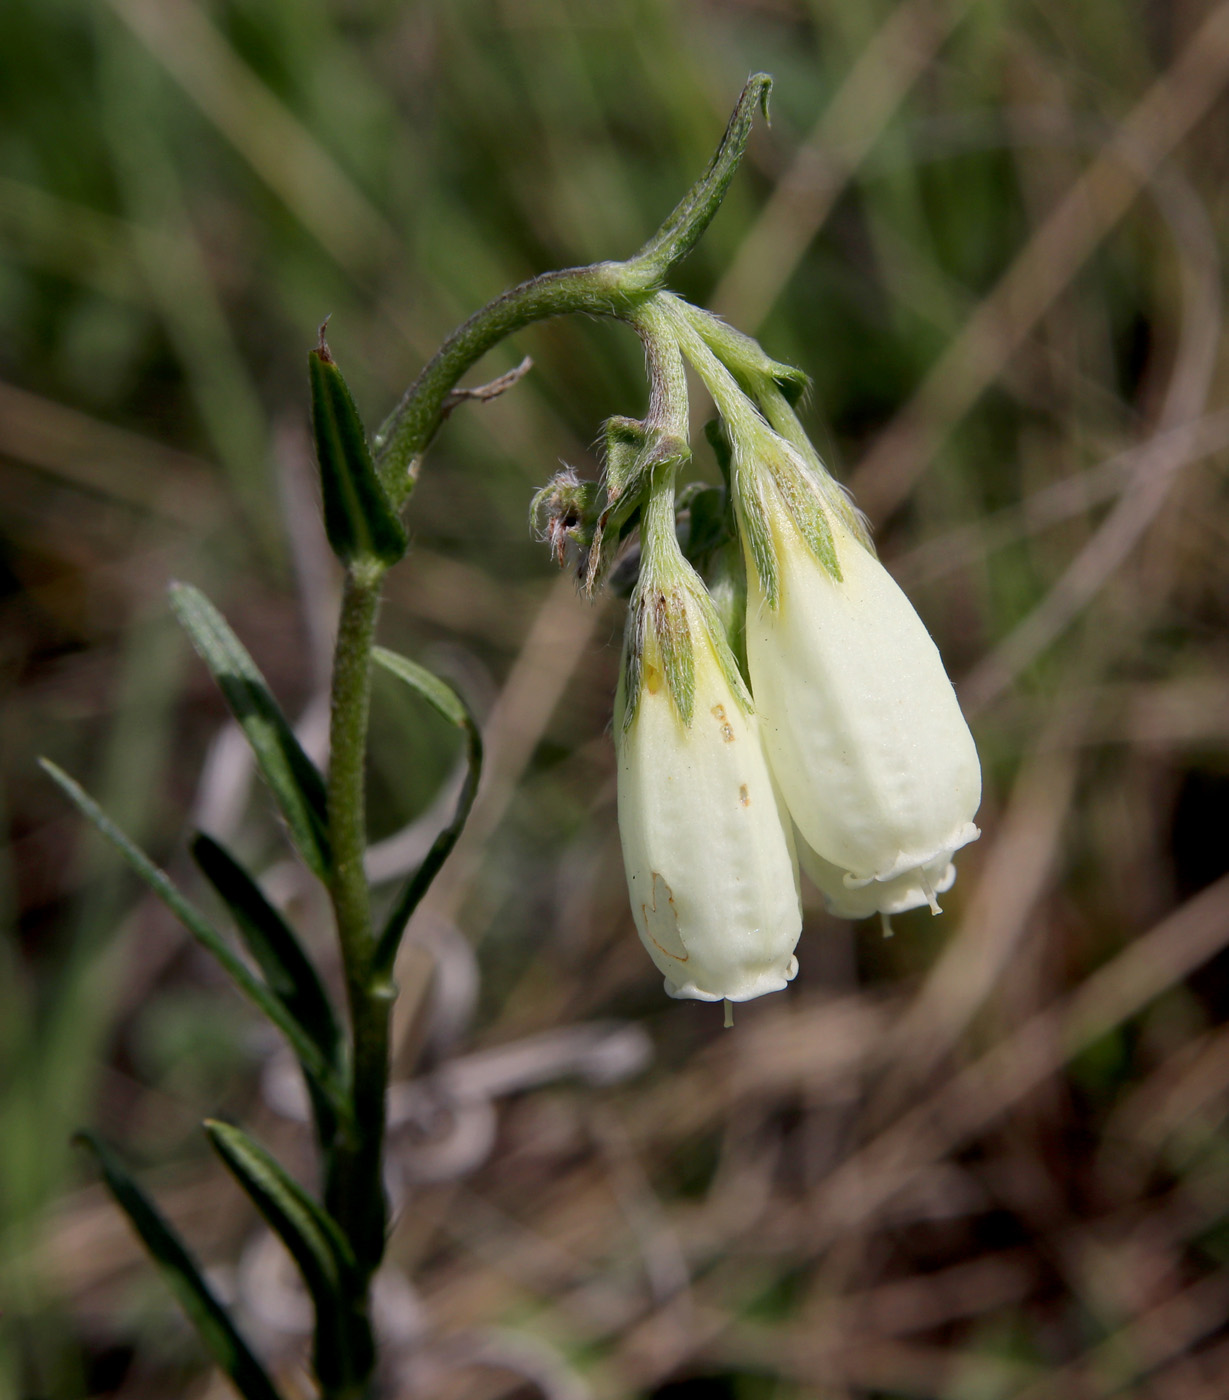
(861, 724)
(709, 857)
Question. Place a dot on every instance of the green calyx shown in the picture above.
(670, 615)
(757, 373)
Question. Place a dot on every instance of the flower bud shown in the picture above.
(709, 859)
(862, 727)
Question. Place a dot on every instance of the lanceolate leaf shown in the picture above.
(304, 1046)
(195, 1296)
(344, 1344)
(293, 778)
(358, 519)
(448, 703)
(272, 942)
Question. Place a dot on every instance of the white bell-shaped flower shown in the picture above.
(862, 727)
(709, 858)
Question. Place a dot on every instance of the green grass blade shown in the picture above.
(288, 970)
(358, 519)
(321, 1072)
(344, 1347)
(449, 704)
(292, 777)
(197, 1299)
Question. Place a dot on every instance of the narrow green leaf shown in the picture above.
(321, 1072)
(197, 1299)
(358, 519)
(344, 1347)
(441, 696)
(272, 942)
(292, 777)
(708, 526)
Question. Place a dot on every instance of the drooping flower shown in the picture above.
(862, 727)
(709, 859)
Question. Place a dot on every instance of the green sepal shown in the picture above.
(632, 453)
(625, 456)
(287, 969)
(292, 777)
(809, 510)
(343, 1349)
(756, 531)
(757, 373)
(359, 520)
(631, 663)
(446, 702)
(184, 1276)
(727, 590)
(668, 619)
(304, 1046)
(719, 639)
(675, 619)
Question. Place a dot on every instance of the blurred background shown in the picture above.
(986, 1159)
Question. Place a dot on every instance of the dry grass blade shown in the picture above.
(977, 1096)
(1015, 874)
(898, 54)
(1055, 253)
(110, 461)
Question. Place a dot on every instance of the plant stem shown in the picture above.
(354, 1193)
(604, 289)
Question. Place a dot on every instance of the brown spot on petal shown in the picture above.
(744, 796)
(661, 918)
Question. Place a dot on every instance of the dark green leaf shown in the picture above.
(344, 1347)
(204, 932)
(358, 519)
(448, 703)
(292, 777)
(709, 521)
(195, 1296)
(272, 942)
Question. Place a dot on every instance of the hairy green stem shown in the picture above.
(354, 1193)
(604, 289)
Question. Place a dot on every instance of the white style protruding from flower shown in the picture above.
(862, 728)
(709, 858)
